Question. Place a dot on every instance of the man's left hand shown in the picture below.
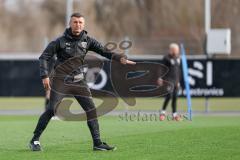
(126, 61)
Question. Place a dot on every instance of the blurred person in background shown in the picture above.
(173, 62)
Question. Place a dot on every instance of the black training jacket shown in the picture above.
(68, 46)
(174, 66)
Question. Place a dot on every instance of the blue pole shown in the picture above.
(186, 82)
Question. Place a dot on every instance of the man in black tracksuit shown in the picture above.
(70, 50)
(173, 63)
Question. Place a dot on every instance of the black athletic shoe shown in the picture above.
(103, 147)
(35, 146)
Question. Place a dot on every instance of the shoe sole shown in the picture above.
(102, 149)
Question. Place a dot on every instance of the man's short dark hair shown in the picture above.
(77, 14)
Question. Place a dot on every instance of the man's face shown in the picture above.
(174, 51)
(77, 25)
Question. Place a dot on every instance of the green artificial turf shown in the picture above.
(204, 138)
(198, 104)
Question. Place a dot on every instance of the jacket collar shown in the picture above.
(68, 34)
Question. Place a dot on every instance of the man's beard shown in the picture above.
(76, 32)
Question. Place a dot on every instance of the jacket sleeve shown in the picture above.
(180, 73)
(166, 63)
(45, 59)
(97, 47)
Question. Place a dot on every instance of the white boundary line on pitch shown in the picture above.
(117, 113)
